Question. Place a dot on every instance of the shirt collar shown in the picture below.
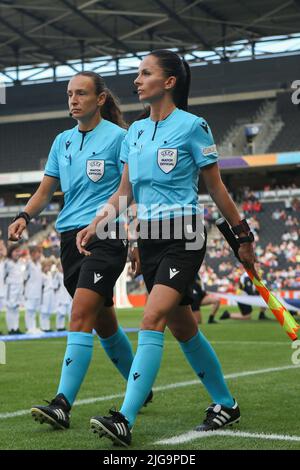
(167, 119)
(91, 130)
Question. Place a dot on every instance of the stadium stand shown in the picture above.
(288, 138)
(25, 145)
(36, 137)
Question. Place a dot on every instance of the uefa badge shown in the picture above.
(95, 169)
(167, 159)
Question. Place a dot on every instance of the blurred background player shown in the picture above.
(14, 278)
(33, 289)
(246, 310)
(201, 297)
(3, 253)
(63, 301)
(47, 307)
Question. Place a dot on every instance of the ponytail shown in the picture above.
(111, 108)
(182, 88)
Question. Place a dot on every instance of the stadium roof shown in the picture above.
(56, 32)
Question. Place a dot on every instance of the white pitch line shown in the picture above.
(195, 435)
(161, 388)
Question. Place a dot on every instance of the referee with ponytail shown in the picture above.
(85, 160)
(163, 154)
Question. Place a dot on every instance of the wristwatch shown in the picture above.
(22, 215)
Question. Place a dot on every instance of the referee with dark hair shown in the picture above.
(85, 160)
(163, 154)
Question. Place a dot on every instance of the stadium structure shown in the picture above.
(244, 58)
(244, 92)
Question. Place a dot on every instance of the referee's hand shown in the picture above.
(83, 237)
(247, 256)
(15, 229)
(134, 257)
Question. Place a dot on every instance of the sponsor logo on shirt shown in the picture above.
(167, 159)
(212, 149)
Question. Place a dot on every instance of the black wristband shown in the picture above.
(22, 215)
(242, 227)
(248, 239)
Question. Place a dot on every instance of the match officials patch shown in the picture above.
(167, 159)
(95, 169)
(212, 149)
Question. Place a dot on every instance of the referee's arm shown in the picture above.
(35, 205)
(227, 207)
(219, 194)
(42, 196)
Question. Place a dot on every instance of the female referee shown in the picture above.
(85, 160)
(163, 154)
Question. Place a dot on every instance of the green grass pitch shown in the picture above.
(269, 400)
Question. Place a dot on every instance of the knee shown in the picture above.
(183, 328)
(80, 319)
(150, 323)
(154, 320)
(184, 333)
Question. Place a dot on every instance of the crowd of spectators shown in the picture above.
(280, 260)
(228, 281)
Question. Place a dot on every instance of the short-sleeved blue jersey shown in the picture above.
(164, 158)
(89, 169)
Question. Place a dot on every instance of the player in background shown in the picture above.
(14, 279)
(246, 310)
(48, 296)
(201, 298)
(33, 289)
(3, 253)
(62, 299)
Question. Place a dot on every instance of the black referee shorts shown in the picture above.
(97, 272)
(168, 262)
(244, 308)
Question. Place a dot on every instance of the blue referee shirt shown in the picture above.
(164, 158)
(89, 169)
